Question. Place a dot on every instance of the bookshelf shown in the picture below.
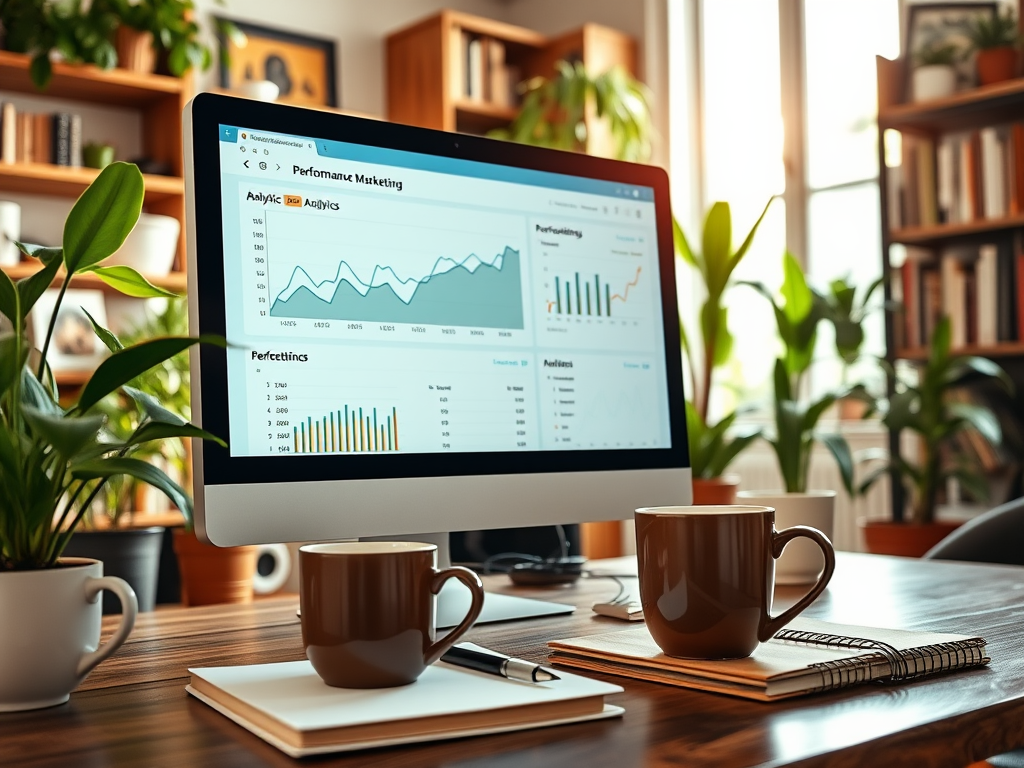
(159, 99)
(965, 260)
(428, 70)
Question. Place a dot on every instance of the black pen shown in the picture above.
(474, 657)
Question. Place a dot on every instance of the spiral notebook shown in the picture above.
(807, 657)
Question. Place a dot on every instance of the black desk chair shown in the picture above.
(994, 537)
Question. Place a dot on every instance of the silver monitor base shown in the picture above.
(454, 599)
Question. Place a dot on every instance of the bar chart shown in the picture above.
(348, 430)
(588, 295)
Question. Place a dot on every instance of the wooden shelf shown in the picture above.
(65, 181)
(940, 232)
(1006, 349)
(482, 116)
(507, 33)
(985, 105)
(88, 83)
(71, 378)
(175, 281)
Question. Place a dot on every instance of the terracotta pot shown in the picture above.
(715, 490)
(210, 574)
(883, 537)
(135, 50)
(996, 65)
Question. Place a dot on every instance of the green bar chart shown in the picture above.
(587, 295)
(348, 430)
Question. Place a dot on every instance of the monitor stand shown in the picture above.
(454, 599)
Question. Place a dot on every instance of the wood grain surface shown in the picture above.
(133, 709)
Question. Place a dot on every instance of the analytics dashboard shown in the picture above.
(382, 301)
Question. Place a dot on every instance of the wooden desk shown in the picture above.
(133, 709)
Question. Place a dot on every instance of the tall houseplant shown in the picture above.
(798, 311)
(554, 110)
(712, 448)
(925, 409)
(54, 461)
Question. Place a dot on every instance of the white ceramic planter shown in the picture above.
(150, 247)
(50, 630)
(933, 82)
(801, 561)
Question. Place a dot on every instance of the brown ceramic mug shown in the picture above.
(707, 577)
(368, 611)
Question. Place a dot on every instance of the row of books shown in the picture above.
(980, 289)
(969, 444)
(27, 137)
(958, 178)
(484, 73)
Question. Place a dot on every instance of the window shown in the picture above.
(787, 100)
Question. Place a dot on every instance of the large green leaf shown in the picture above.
(682, 245)
(965, 365)
(730, 450)
(980, 418)
(781, 379)
(798, 297)
(67, 434)
(11, 363)
(44, 253)
(121, 367)
(815, 411)
(745, 246)
(33, 286)
(153, 408)
(940, 345)
(717, 246)
(840, 450)
(110, 341)
(154, 430)
(130, 283)
(10, 300)
(103, 216)
(35, 395)
(141, 470)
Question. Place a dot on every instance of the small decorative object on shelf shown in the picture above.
(712, 447)
(97, 155)
(55, 461)
(933, 25)
(926, 409)
(996, 40)
(934, 71)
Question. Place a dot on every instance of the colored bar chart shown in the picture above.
(348, 430)
(581, 296)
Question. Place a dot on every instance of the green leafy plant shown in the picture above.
(796, 423)
(937, 53)
(77, 30)
(925, 409)
(847, 312)
(55, 461)
(996, 31)
(175, 33)
(554, 109)
(168, 382)
(712, 449)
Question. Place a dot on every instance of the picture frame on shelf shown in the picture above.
(74, 346)
(934, 22)
(303, 67)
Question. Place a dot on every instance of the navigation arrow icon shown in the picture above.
(245, 163)
(278, 166)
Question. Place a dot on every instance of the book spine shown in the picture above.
(8, 133)
(986, 274)
(24, 136)
(76, 141)
(62, 138)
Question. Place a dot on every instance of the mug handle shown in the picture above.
(780, 539)
(436, 649)
(129, 610)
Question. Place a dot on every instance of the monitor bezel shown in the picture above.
(216, 466)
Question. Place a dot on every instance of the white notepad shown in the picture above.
(289, 706)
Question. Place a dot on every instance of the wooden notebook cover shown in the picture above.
(289, 706)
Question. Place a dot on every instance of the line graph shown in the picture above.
(470, 292)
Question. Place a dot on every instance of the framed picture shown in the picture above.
(928, 23)
(74, 345)
(302, 67)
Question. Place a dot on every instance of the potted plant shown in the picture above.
(554, 109)
(55, 460)
(995, 38)
(161, 30)
(925, 409)
(712, 448)
(846, 311)
(796, 431)
(74, 31)
(934, 74)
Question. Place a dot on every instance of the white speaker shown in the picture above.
(273, 564)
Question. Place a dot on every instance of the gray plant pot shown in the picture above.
(132, 554)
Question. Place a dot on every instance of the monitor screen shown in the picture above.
(427, 331)
(386, 301)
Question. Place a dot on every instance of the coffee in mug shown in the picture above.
(368, 611)
(707, 577)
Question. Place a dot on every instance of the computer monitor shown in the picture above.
(428, 331)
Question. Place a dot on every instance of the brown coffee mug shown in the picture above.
(368, 611)
(707, 577)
